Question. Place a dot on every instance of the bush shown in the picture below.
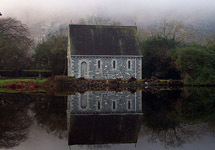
(25, 73)
(132, 79)
(157, 58)
(72, 79)
(196, 63)
(58, 83)
(211, 80)
(188, 80)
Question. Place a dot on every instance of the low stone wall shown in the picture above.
(132, 84)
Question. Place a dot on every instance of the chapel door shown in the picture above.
(84, 69)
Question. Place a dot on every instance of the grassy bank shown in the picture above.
(64, 84)
(6, 82)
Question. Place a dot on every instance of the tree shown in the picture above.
(211, 44)
(196, 63)
(157, 57)
(51, 53)
(98, 20)
(157, 43)
(15, 44)
(173, 30)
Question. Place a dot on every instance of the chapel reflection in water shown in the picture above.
(96, 117)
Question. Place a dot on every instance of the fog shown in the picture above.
(39, 15)
(135, 10)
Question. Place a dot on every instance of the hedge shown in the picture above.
(25, 73)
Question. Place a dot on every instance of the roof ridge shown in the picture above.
(103, 25)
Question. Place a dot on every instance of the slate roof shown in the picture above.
(103, 40)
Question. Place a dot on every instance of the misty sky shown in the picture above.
(136, 10)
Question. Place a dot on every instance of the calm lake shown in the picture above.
(175, 120)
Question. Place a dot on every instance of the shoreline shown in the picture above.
(64, 84)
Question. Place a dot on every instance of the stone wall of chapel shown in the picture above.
(106, 70)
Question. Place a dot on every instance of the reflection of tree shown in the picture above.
(160, 119)
(98, 146)
(159, 109)
(101, 146)
(16, 116)
(197, 105)
(14, 121)
(175, 137)
(51, 115)
(175, 118)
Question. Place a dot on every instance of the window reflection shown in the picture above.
(114, 105)
(84, 98)
(129, 105)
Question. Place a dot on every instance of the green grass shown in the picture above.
(5, 82)
(164, 80)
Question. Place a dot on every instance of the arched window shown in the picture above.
(84, 69)
(129, 64)
(99, 64)
(114, 64)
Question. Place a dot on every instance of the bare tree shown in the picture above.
(15, 44)
(98, 20)
(174, 30)
(15, 30)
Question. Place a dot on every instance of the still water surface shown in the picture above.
(176, 120)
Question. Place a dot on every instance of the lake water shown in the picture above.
(175, 120)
